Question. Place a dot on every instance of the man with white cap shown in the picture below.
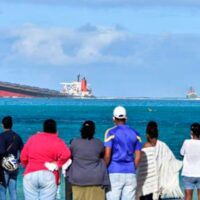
(121, 143)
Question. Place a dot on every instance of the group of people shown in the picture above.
(121, 168)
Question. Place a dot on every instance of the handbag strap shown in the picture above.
(10, 146)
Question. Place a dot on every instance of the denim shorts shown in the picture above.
(191, 182)
(123, 186)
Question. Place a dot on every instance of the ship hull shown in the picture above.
(17, 90)
(11, 90)
(4, 93)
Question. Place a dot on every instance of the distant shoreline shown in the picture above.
(149, 98)
(108, 98)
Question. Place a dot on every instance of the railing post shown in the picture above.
(68, 190)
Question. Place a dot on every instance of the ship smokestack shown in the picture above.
(78, 77)
(83, 85)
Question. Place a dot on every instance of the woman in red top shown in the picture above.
(46, 146)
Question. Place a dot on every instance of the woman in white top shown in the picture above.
(191, 162)
(158, 171)
(147, 176)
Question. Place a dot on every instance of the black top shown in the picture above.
(6, 139)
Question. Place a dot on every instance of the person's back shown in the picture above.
(191, 162)
(43, 147)
(88, 166)
(121, 143)
(10, 144)
(88, 172)
(159, 169)
(124, 143)
(147, 176)
(39, 181)
(8, 138)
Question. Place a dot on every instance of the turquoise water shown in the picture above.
(173, 116)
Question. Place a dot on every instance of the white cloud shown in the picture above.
(44, 45)
(95, 46)
(61, 45)
(93, 43)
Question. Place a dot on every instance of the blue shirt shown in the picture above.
(124, 141)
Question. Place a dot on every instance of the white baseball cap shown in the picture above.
(119, 112)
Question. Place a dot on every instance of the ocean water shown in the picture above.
(174, 118)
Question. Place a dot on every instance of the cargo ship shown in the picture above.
(76, 89)
(191, 94)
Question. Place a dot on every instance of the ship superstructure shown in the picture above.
(191, 94)
(78, 88)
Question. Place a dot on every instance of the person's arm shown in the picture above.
(2, 146)
(107, 155)
(64, 154)
(138, 147)
(108, 142)
(21, 144)
(137, 158)
(24, 155)
(20, 147)
(182, 151)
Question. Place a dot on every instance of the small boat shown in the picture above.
(191, 94)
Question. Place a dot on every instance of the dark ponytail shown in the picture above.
(152, 129)
(88, 130)
(195, 128)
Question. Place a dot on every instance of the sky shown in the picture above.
(125, 48)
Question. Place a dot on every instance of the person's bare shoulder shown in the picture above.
(147, 144)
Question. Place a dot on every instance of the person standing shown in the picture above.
(40, 182)
(158, 171)
(88, 173)
(121, 144)
(191, 162)
(10, 143)
(147, 173)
